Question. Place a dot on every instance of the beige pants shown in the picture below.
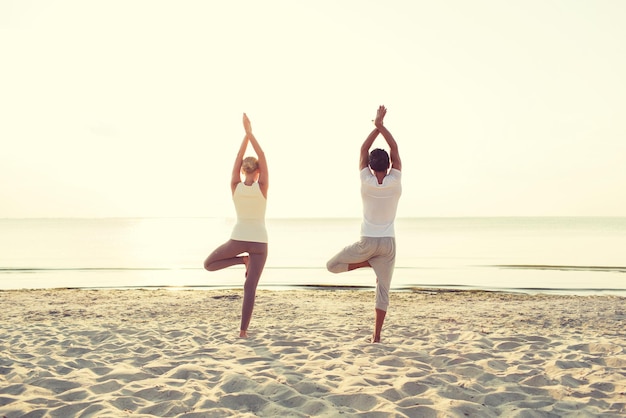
(380, 253)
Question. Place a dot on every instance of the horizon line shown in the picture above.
(300, 218)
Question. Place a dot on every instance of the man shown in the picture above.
(380, 191)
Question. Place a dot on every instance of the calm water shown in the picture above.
(564, 255)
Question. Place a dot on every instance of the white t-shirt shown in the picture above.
(250, 207)
(380, 203)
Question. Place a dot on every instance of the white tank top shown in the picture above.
(250, 206)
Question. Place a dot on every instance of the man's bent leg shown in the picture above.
(351, 257)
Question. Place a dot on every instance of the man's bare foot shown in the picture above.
(355, 266)
(375, 339)
(246, 260)
(243, 334)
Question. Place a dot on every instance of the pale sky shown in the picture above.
(133, 108)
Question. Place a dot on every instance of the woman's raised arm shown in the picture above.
(236, 174)
(263, 170)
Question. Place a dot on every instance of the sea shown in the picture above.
(562, 255)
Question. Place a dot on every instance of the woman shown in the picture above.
(249, 235)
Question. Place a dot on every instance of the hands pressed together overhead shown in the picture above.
(380, 115)
(247, 126)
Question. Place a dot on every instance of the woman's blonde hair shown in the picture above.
(250, 165)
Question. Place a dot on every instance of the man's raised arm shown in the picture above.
(393, 145)
(364, 158)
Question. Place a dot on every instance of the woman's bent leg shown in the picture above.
(225, 255)
(257, 253)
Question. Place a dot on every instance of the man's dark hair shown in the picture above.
(379, 160)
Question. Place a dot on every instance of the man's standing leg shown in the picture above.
(383, 266)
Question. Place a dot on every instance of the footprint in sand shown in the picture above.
(359, 402)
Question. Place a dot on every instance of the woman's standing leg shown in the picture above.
(257, 253)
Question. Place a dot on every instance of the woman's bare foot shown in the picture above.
(243, 334)
(246, 260)
(375, 339)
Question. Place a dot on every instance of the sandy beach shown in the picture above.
(112, 353)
